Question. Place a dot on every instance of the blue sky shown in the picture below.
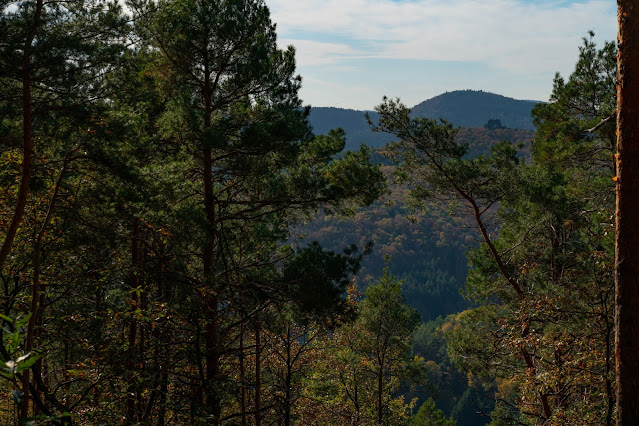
(350, 53)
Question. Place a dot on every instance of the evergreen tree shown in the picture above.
(160, 188)
(51, 78)
(389, 324)
(429, 415)
(543, 281)
(256, 168)
(366, 363)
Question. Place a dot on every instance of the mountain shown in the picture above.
(426, 249)
(473, 108)
(464, 108)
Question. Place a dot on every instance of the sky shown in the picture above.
(351, 53)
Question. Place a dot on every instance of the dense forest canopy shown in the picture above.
(179, 247)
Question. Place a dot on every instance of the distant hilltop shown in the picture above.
(473, 108)
(464, 108)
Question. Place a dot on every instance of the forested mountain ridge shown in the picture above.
(473, 108)
(463, 108)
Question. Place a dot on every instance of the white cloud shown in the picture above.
(309, 52)
(514, 35)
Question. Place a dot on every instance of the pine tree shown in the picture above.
(542, 273)
(51, 77)
(389, 324)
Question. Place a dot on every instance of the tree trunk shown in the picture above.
(27, 161)
(258, 376)
(34, 327)
(27, 138)
(627, 237)
(163, 361)
(164, 389)
(380, 390)
(208, 260)
(287, 381)
(131, 412)
(212, 363)
(242, 377)
(356, 403)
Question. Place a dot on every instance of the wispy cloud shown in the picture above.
(514, 35)
(310, 52)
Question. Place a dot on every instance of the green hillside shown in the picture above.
(472, 108)
(464, 108)
(426, 250)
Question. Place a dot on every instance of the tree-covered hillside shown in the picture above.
(466, 109)
(425, 246)
(472, 108)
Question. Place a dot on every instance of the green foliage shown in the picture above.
(166, 178)
(587, 99)
(364, 365)
(389, 324)
(557, 233)
(429, 415)
(449, 386)
(152, 253)
(11, 363)
(318, 280)
(384, 314)
(438, 165)
(541, 337)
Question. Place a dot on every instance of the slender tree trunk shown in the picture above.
(356, 402)
(27, 138)
(212, 325)
(141, 351)
(242, 377)
(287, 381)
(131, 412)
(34, 327)
(212, 362)
(161, 352)
(25, 179)
(67, 364)
(197, 397)
(164, 389)
(627, 238)
(380, 390)
(258, 376)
